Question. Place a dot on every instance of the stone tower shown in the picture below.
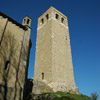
(53, 61)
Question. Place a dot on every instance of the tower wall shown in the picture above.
(62, 61)
(53, 62)
(43, 52)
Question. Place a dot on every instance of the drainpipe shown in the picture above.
(3, 31)
(17, 71)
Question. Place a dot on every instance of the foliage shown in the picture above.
(58, 96)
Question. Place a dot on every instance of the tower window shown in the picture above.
(42, 76)
(47, 16)
(42, 20)
(62, 20)
(6, 64)
(24, 21)
(28, 21)
(57, 16)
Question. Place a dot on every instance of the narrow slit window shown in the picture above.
(42, 76)
(28, 21)
(42, 20)
(62, 20)
(47, 16)
(57, 16)
(6, 64)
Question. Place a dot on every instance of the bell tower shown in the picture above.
(27, 21)
(53, 60)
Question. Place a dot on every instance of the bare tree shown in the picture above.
(94, 95)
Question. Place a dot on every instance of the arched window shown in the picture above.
(62, 20)
(28, 21)
(42, 76)
(42, 20)
(47, 16)
(6, 64)
(57, 16)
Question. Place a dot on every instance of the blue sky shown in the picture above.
(84, 28)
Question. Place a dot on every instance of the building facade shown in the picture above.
(14, 53)
(53, 60)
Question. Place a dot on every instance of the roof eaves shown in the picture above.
(13, 21)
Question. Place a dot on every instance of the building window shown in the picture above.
(24, 21)
(28, 21)
(47, 16)
(42, 76)
(6, 64)
(57, 16)
(62, 20)
(42, 20)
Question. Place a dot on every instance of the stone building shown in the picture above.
(14, 52)
(53, 61)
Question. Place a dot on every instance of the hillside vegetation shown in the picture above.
(58, 96)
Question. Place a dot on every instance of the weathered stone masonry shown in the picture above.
(53, 61)
(14, 48)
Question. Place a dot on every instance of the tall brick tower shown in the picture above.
(53, 61)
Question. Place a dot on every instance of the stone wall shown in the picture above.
(14, 46)
(40, 87)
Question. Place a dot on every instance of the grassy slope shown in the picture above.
(58, 96)
(69, 96)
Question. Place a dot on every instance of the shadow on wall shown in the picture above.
(28, 88)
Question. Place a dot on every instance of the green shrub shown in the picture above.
(59, 96)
